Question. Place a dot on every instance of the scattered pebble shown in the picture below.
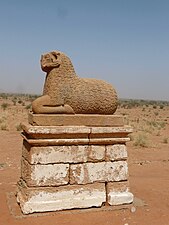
(133, 209)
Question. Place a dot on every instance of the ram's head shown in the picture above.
(50, 60)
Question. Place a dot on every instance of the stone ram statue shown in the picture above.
(66, 93)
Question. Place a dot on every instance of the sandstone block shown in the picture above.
(122, 186)
(96, 153)
(108, 141)
(50, 142)
(109, 135)
(118, 193)
(116, 152)
(45, 175)
(98, 172)
(121, 131)
(57, 132)
(60, 198)
(75, 120)
(55, 154)
(63, 153)
(120, 198)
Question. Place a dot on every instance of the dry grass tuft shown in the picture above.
(141, 140)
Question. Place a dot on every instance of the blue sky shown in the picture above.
(125, 42)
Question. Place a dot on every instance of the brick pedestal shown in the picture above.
(69, 166)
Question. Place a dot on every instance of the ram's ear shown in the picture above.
(56, 54)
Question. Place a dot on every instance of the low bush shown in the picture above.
(165, 140)
(4, 106)
(141, 140)
(4, 127)
(19, 127)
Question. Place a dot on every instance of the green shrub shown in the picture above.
(20, 101)
(4, 95)
(19, 127)
(162, 124)
(28, 106)
(156, 124)
(4, 106)
(141, 140)
(3, 127)
(165, 140)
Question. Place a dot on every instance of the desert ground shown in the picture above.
(148, 161)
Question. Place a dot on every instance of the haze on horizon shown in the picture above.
(123, 42)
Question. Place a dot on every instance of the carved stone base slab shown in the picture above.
(75, 120)
(60, 198)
